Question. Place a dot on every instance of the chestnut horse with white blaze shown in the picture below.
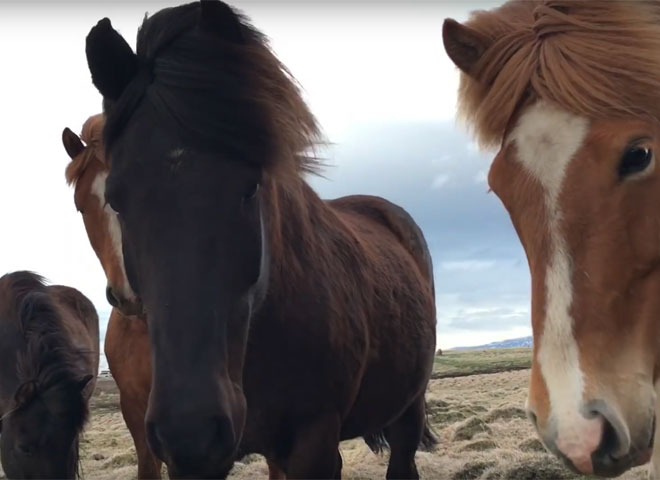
(126, 339)
(569, 92)
(278, 323)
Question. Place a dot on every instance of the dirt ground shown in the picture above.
(479, 418)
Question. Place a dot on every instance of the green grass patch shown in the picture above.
(474, 362)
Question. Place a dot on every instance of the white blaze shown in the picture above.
(114, 230)
(547, 139)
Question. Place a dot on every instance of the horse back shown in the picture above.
(399, 222)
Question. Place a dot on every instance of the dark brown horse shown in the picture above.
(279, 323)
(49, 357)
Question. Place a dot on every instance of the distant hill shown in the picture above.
(511, 343)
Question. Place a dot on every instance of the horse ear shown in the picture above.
(72, 143)
(111, 60)
(218, 17)
(463, 44)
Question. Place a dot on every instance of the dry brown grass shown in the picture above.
(507, 449)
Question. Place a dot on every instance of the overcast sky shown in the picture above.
(376, 76)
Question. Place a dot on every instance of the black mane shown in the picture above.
(48, 365)
(207, 69)
(49, 359)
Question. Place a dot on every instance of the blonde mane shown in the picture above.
(596, 58)
(92, 137)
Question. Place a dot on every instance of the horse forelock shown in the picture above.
(92, 135)
(180, 61)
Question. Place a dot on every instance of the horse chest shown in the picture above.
(296, 367)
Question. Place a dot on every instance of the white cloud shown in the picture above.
(440, 181)
(465, 324)
(481, 176)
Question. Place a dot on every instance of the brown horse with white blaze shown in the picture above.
(279, 323)
(126, 338)
(569, 91)
(87, 172)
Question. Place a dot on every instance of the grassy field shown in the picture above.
(473, 362)
(478, 417)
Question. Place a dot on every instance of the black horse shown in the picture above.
(279, 323)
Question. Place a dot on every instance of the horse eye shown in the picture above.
(635, 160)
(252, 192)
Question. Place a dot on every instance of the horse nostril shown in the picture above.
(610, 442)
(615, 439)
(189, 444)
(112, 299)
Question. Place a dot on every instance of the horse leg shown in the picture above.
(404, 436)
(149, 466)
(315, 452)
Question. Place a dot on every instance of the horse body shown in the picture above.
(49, 337)
(343, 352)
